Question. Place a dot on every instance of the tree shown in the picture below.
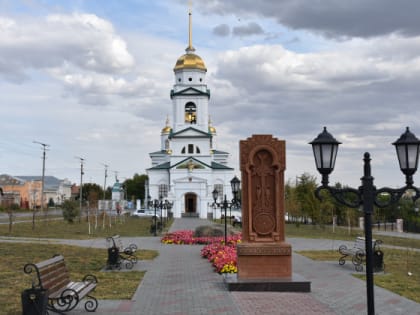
(292, 204)
(308, 203)
(70, 210)
(91, 189)
(135, 187)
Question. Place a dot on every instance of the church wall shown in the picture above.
(198, 80)
(157, 177)
(202, 143)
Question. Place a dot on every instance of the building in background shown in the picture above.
(26, 190)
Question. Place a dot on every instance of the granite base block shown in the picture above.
(296, 283)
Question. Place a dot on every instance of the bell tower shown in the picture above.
(190, 95)
(188, 166)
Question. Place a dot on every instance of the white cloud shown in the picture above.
(364, 90)
(82, 40)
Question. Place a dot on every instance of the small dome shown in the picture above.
(166, 129)
(190, 61)
(212, 130)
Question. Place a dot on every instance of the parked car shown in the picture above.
(237, 220)
(145, 213)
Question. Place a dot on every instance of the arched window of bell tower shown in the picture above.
(190, 113)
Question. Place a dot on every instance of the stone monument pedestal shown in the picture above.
(294, 283)
(266, 260)
(266, 267)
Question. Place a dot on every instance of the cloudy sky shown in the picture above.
(91, 79)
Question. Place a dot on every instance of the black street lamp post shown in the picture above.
(167, 206)
(225, 204)
(161, 205)
(161, 211)
(325, 149)
(155, 205)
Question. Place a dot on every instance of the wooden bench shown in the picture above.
(63, 294)
(357, 252)
(117, 253)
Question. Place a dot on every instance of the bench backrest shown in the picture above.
(360, 242)
(52, 273)
(114, 241)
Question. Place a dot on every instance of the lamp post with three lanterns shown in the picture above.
(162, 205)
(325, 148)
(225, 204)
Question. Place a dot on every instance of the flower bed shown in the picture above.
(223, 257)
(186, 237)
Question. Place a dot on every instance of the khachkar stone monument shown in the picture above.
(264, 257)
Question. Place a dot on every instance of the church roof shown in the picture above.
(167, 165)
(218, 166)
(117, 187)
(163, 166)
(190, 61)
(190, 91)
(158, 152)
(219, 152)
(200, 133)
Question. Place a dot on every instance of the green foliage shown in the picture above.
(92, 189)
(135, 186)
(51, 203)
(14, 207)
(70, 210)
(304, 197)
(208, 230)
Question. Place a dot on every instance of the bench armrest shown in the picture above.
(90, 279)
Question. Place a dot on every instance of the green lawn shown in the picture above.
(341, 233)
(398, 265)
(80, 261)
(124, 226)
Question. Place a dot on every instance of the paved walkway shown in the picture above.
(180, 282)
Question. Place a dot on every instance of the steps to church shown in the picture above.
(189, 215)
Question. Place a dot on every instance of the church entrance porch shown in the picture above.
(190, 203)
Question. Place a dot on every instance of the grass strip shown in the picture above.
(80, 261)
(124, 226)
(402, 270)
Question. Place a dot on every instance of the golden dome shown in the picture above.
(190, 61)
(212, 130)
(166, 129)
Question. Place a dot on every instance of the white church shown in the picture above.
(188, 167)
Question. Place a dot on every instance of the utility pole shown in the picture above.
(44, 147)
(106, 175)
(81, 183)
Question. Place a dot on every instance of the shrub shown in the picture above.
(70, 210)
(207, 230)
